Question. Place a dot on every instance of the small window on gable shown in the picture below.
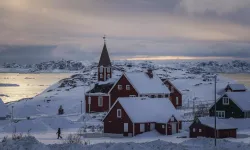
(225, 100)
(101, 69)
(200, 130)
(172, 119)
(177, 100)
(193, 129)
(119, 87)
(100, 101)
(101, 76)
(119, 113)
(127, 87)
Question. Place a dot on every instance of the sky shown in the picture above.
(32, 31)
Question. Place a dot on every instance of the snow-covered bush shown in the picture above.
(73, 139)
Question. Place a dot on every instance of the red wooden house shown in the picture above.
(130, 116)
(175, 95)
(204, 127)
(138, 84)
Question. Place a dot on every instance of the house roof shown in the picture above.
(237, 87)
(102, 87)
(241, 99)
(172, 84)
(104, 59)
(146, 85)
(4, 111)
(144, 109)
(220, 123)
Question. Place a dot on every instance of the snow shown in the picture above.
(145, 109)
(25, 125)
(237, 87)
(220, 123)
(145, 85)
(4, 111)
(241, 99)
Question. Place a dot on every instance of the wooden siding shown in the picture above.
(94, 104)
(161, 128)
(174, 94)
(231, 110)
(115, 93)
(115, 125)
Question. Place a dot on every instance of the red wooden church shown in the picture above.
(130, 116)
(135, 84)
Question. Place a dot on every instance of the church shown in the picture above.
(107, 90)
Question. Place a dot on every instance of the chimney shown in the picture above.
(150, 73)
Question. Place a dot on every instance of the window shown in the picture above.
(89, 100)
(225, 100)
(101, 69)
(127, 87)
(220, 114)
(108, 76)
(101, 76)
(100, 101)
(172, 119)
(193, 129)
(119, 87)
(132, 95)
(172, 89)
(166, 95)
(119, 113)
(162, 126)
(200, 130)
(108, 70)
(142, 127)
(177, 100)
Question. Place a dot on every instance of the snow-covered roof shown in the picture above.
(237, 87)
(146, 85)
(4, 111)
(241, 99)
(144, 109)
(220, 123)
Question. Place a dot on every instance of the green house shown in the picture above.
(232, 105)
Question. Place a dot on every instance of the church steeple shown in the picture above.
(104, 65)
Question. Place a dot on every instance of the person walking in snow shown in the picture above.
(59, 133)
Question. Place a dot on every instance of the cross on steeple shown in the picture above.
(104, 38)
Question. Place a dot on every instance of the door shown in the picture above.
(125, 127)
(173, 127)
(152, 126)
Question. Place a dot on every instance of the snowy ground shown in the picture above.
(44, 121)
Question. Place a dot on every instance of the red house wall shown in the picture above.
(115, 93)
(94, 104)
(158, 127)
(115, 125)
(137, 128)
(174, 94)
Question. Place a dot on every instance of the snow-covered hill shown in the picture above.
(234, 66)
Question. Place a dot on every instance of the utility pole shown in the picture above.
(81, 107)
(215, 130)
(12, 113)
